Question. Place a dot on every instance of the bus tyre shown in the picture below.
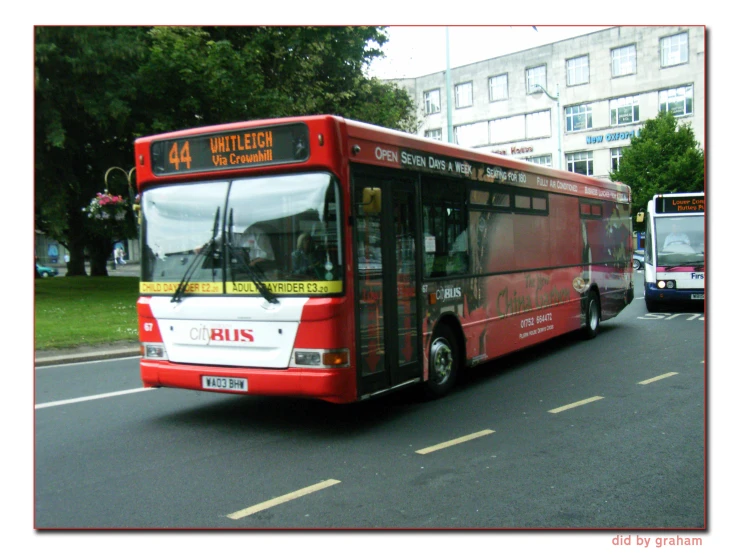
(592, 316)
(443, 363)
(652, 306)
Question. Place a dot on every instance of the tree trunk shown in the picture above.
(76, 245)
(76, 265)
(100, 250)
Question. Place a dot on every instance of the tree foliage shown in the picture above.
(665, 157)
(99, 88)
(84, 89)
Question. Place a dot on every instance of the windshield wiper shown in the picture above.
(243, 260)
(205, 252)
(684, 264)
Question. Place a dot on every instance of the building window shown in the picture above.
(578, 71)
(674, 49)
(471, 135)
(536, 76)
(432, 101)
(499, 87)
(580, 162)
(540, 160)
(623, 61)
(579, 118)
(538, 124)
(616, 155)
(507, 129)
(677, 100)
(463, 95)
(434, 134)
(625, 110)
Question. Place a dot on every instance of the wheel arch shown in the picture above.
(452, 322)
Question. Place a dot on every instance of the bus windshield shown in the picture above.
(274, 229)
(680, 240)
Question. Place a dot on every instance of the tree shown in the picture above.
(665, 157)
(84, 89)
(99, 88)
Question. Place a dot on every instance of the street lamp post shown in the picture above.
(449, 125)
(559, 122)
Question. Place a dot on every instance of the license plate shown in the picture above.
(698, 296)
(224, 383)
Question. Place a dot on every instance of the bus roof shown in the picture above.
(359, 138)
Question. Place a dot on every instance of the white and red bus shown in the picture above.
(321, 257)
(674, 255)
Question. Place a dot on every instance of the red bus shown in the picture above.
(326, 258)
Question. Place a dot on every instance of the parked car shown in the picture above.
(44, 272)
(638, 258)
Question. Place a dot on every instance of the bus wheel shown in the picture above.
(652, 306)
(592, 316)
(443, 363)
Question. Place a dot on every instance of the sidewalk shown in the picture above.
(123, 349)
(130, 269)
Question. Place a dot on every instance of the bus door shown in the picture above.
(385, 235)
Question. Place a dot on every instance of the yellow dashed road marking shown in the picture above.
(575, 404)
(455, 441)
(653, 379)
(282, 499)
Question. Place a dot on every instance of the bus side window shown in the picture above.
(446, 241)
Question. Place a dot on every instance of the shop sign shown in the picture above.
(624, 135)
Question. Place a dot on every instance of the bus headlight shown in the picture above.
(666, 284)
(154, 351)
(321, 358)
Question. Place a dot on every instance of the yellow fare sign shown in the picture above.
(287, 287)
(296, 288)
(146, 287)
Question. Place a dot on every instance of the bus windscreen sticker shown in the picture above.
(231, 150)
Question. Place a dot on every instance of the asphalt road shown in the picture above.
(601, 434)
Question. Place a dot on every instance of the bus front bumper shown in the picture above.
(332, 385)
(656, 294)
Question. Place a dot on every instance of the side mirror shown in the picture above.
(371, 200)
(640, 217)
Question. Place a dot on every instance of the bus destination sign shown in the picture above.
(680, 204)
(231, 149)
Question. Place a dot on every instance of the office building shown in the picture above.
(573, 104)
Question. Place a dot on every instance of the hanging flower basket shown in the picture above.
(106, 206)
(108, 213)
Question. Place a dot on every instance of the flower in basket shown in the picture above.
(106, 206)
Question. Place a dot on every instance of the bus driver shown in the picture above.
(257, 243)
(676, 237)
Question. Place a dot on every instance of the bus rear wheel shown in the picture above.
(592, 316)
(443, 363)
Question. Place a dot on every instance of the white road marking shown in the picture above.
(575, 404)
(455, 441)
(86, 398)
(653, 379)
(282, 499)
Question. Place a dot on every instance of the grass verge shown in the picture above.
(82, 311)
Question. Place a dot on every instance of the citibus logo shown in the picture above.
(448, 293)
(217, 334)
